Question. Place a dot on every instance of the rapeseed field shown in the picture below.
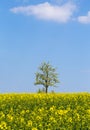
(45, 111)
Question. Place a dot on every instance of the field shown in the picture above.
(45, 111)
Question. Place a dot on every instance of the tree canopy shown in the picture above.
(46, 76)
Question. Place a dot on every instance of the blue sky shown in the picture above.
(34, 31)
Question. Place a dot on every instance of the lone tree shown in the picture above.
(46, 76)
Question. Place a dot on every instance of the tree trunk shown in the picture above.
(46, 89)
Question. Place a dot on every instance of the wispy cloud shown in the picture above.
(85, 19)
(47, 11)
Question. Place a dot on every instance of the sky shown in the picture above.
(36, 31)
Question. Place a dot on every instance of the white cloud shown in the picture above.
(84, 19)
(48, 11)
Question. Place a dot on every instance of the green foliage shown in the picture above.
(45, 111)
(46, 76)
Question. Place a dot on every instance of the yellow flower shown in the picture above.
(2, 115)
(27, 111)
(22, 112)
(52, 119)
(40, 125)
(38, 118)
(29, 123)
(78, 116)
(62, 112)
(34, 128)
(52, 108)
(88, 111)
(3, 125)
(10, 117)
(22, 120)
(70, 120)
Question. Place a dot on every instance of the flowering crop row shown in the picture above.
(45, 111)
